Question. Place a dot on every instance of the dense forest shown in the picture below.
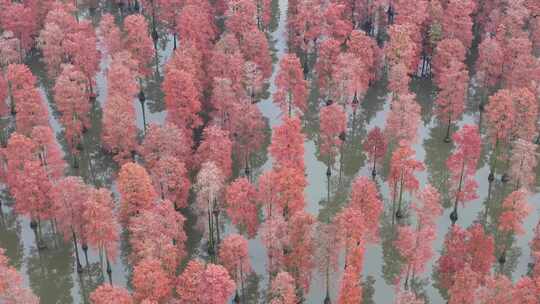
(269, 151)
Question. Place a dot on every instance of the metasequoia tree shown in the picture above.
(254, 46)
(523, 163)
(9, 49)
(20, 19)
(25, 99)
(365, 196)
(462, 165)
(375, 146)
(228, 62)
(151, 282)
(290, 183)
(490, 63)
(234, 255)
(72, 101)
(402, 175)
(136, 191)
(292, 89)
(182, 99)
(287, 146)
(463, 289)
(216, 147)
(415, 247)
(526, 114)
(171, 181)
(48, 152)
(158, 233)
(102, 230)
(333, 124)
(501, 117)
(69, 197)
(242, 206)
(204, 284)
(274, 237)
(240, 16)
(326, 253)
(138, 42)
(350, 291)
(282, 289)
(11, 284)
(453, 84)
(164, 141)
(465, 247)
(326, 65)
(448, 50)
(195, 24)
(299, 258)
(106, 294)
(110, 34)
(515, 210)
(403, 119)
(457, 21)
(209, 185)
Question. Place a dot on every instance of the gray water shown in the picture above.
(51, 273)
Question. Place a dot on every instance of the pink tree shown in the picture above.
(163, 141)
(195, 24)
(326, 65)
(48, 152)
(326, 252)
(287, 146)
(490, 62)
(526, 113)
(523, 163)
(352, 230)
(274, 237)
(242, 206)
(366, 197)
(283, 290)
(403, 120)
(454, 83)
(72, 100)
(241, 16)
(501, 117)
(209, 186)
(290, 184)
(462, 166)
(299, 257)
(136, 191)
(351, 288)
(69, 197)
(333, 125)
(11, 284)
(375, 146)
(81, 48)
(151, 282)
(158, 233)
(9, 49)
(200, 284)
(292, 90)
(457, 21)
(106, 294)
(138, 42)
(515, 210)
(217, 148)
(171, 181)
(182, 99)
(110, 34)
(101, 224)
(25, 99)
(447, 51)
(402, 169)
(464, 287)
(19, 19)
(234, 255)
(407, 297)
(254, 46)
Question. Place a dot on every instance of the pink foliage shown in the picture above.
(163, 141)
(182, 99)
(170, 179)
(283, 289)
(375, 145)
(299, 257)
(428, 207)
(107, 294)
(11, 284)
(242, 206)
(110, 34)
(217, 148)
(403, 119)
(365, 196)
(151, 282)
(462, 163)
(69, 198)
(101, 224)
(136, 191)
(523, 163)
(333, 122)
(287, 146)
(402, 169)
(292, 90)
(515, 211)
(234, 255)
(200, 284)
(138, 42)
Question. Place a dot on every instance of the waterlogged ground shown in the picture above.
(51, 273)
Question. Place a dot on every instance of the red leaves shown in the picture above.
(287, 146)
(365, 196)
(242, 206)
(138, 42)
(375, 145)
(101, 224)
(292, 91)
(107, 294)
(136, 190)
(151, 282)
(11, 284)
(204, 284)
(182, 99)
(515, 210)
(403, 119)
(333, 122)
(283, 289)
(234, 255)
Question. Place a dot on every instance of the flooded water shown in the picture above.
(51, 273)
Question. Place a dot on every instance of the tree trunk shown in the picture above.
(76, 247)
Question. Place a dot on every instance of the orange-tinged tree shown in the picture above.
(151, 282)
(136, 191)
(292, 89)
(242, 206)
